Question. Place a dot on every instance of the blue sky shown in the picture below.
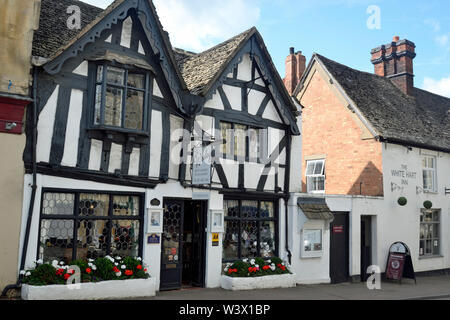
(337, 29)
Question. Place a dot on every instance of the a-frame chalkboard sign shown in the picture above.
(399, 263)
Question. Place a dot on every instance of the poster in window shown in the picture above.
(312, 240)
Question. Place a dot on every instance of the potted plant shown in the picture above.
(402, 201)
(250, 274)
(102, 278)
(428, 205)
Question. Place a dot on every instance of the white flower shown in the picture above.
(139, 259)
(252, 262)
(272, 267)
(226, 269)
(118, 274)
(22, 272)
(40, 261)
(55, 263)
(118, 258)
(28, 274)
(61, 263)
(91, 260)
(123, 267)
(94, 267)
(269, 261)
(245, 260)
(116, 263)
(257, 266)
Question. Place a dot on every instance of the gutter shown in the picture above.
(287, 183)
(17, 285)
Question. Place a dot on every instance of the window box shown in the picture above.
(135, 288)
(266, 282)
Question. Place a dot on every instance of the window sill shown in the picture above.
(119, 130)
(431, 257)
(119, 135)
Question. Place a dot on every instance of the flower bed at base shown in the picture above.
(103, 278)
(257, 274)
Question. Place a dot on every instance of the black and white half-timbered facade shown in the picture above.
(137, 148)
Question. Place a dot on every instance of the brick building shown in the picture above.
(367, 141)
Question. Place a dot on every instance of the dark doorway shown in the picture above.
(339, 248)
(183, 246)
(194, 244)
(366, 246)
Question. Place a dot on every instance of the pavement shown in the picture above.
(427, 288)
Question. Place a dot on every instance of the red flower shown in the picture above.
(88, 270)
(116, 270)
(59, 272)
(145, 270)
(139, 267)
(70, 271)
(128, 272)
(66, 276)
(265, 268)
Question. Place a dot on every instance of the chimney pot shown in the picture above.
(295, 67)
(396, 39)
(291, 50)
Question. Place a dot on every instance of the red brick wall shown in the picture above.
(329, 128)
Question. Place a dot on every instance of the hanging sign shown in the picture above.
(201, 167)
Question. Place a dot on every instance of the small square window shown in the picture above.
(315, 176)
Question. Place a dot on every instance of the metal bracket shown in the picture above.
(447, 191)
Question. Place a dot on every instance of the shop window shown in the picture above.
(250, 229)
(242, 143)
(89, 225)
(120, 98)
(429, 174)
(315, 176)
(430, 239)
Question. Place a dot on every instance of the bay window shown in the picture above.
(120, 98)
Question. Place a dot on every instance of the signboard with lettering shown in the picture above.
(404, 174)
(201, 167)
(153, 239)
(215, 239)
(399, 263)
(338, 229)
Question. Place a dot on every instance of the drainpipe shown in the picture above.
(17, 285)
(287, 183)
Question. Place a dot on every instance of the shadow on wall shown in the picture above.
(369, 182)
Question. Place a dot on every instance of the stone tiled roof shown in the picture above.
(53, 33)
(315, 208)
(422, 120)
(199, 70)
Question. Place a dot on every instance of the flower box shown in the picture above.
(254, 283)
(115, 289)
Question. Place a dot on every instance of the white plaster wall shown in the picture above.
(156, 90)
(82, 69)
(255, 98)
(271, 113)
(70, 156)
(155, 144)
(215, 102)
(95, 156)
(45, 126)
(125, 40)
(245, 68)
(115, 158)
(134, 162)
(176, 133)
(234, 96)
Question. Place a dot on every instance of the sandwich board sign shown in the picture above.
(399, 263)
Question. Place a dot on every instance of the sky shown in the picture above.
(341, 30)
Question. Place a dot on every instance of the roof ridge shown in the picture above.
(227, 41)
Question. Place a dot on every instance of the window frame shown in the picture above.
(75, 217)
(104, 84)
(262, 140)
(312, 253)
(436, 224)
(434, 188)
(314, 175)
(258, 220)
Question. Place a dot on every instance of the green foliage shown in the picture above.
(102, 269)
(257, 267)
(402, 201)
(428, 204)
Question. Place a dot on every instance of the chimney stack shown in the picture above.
(395, 61)
(295, 67)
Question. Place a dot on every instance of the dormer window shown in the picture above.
(121, 98)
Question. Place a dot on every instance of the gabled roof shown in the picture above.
(53, 34)
(422, 120)
(199, 70)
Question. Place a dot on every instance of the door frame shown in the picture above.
(205, 204)
(347, 243)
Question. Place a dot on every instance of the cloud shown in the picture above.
(441, 87)
(442, 40)
(199, 24)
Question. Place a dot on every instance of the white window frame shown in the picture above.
(314, 175)
(436, 224)
(433, 170)
(312, 253)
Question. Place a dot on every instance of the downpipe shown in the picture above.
(18, 284)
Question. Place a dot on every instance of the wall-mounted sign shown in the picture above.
(154, 221)
(153, 239)
(404, 174)
(155, 202)
(338, 229)
(215, 239)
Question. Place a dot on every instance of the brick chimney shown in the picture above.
(295, 67)
(395, 61)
